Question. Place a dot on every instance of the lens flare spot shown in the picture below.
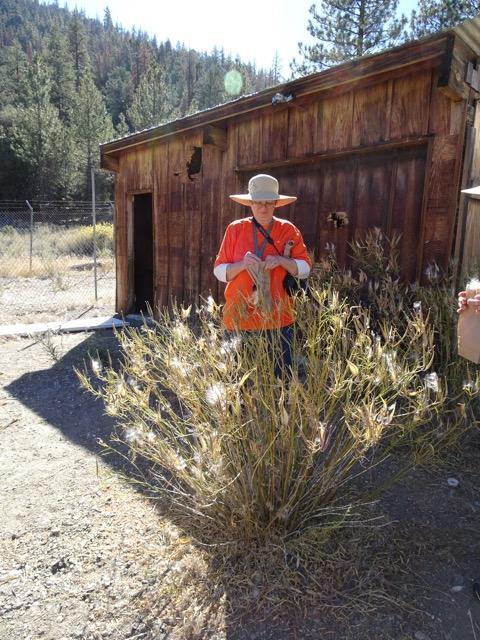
(233, 82)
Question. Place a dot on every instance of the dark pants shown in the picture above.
(280, 345)
(284, 365)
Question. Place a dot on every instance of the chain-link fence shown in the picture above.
(56, 260)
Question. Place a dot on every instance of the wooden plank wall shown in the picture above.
(471, 249)
(120, 234)
(447, 124)
(161, 223)
(190, 216)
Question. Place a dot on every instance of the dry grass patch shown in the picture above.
(55, 250)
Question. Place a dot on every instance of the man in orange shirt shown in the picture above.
(256, 245)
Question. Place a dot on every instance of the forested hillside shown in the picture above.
(68, 82)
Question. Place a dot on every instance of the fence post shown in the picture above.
(31, 232)
(112, 210)
(94, 223)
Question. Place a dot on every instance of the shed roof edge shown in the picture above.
(426, 48)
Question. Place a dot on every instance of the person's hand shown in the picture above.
(464, 303)
(474, 302)
(249, 259)
(272, 262)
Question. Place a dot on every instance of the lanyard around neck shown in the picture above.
(259, 251)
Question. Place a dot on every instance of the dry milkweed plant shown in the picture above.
(243, 459)
(377, 254)
(269, 481)
(272, 478)
(373, 282)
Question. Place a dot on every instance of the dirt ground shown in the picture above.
(80, 549)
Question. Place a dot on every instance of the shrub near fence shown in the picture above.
(54, 262)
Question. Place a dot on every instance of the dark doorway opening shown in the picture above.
(142, 251)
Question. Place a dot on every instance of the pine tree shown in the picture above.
(107, 20)
(276, 71)
(118, 93)
(210, 89)
(91, 125)
(191, 77)
(13, 73)
(78, 47)
(347, 29)
(68, 178)
(122, 128)
(35, 130)
(176, 79)
(250, 79)
(436, 15)
(60, 62)
(142, 57)
(118, 59)
(151, 102)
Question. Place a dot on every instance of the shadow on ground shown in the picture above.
(442, 522)
(55, 395)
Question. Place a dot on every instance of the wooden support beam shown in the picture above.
(467, 207)
(314, 158)
(472, 76)
(451, 79)
(110, 162)
(215, 136)
(464, 199)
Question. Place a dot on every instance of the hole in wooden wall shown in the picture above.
(195, 163)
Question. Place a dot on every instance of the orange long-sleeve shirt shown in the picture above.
(239, 313)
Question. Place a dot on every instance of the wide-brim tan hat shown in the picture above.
(263, 187)
(473, 191)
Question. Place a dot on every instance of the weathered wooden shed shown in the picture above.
(389, 139)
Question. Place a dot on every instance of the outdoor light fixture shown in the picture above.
(282, 98)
